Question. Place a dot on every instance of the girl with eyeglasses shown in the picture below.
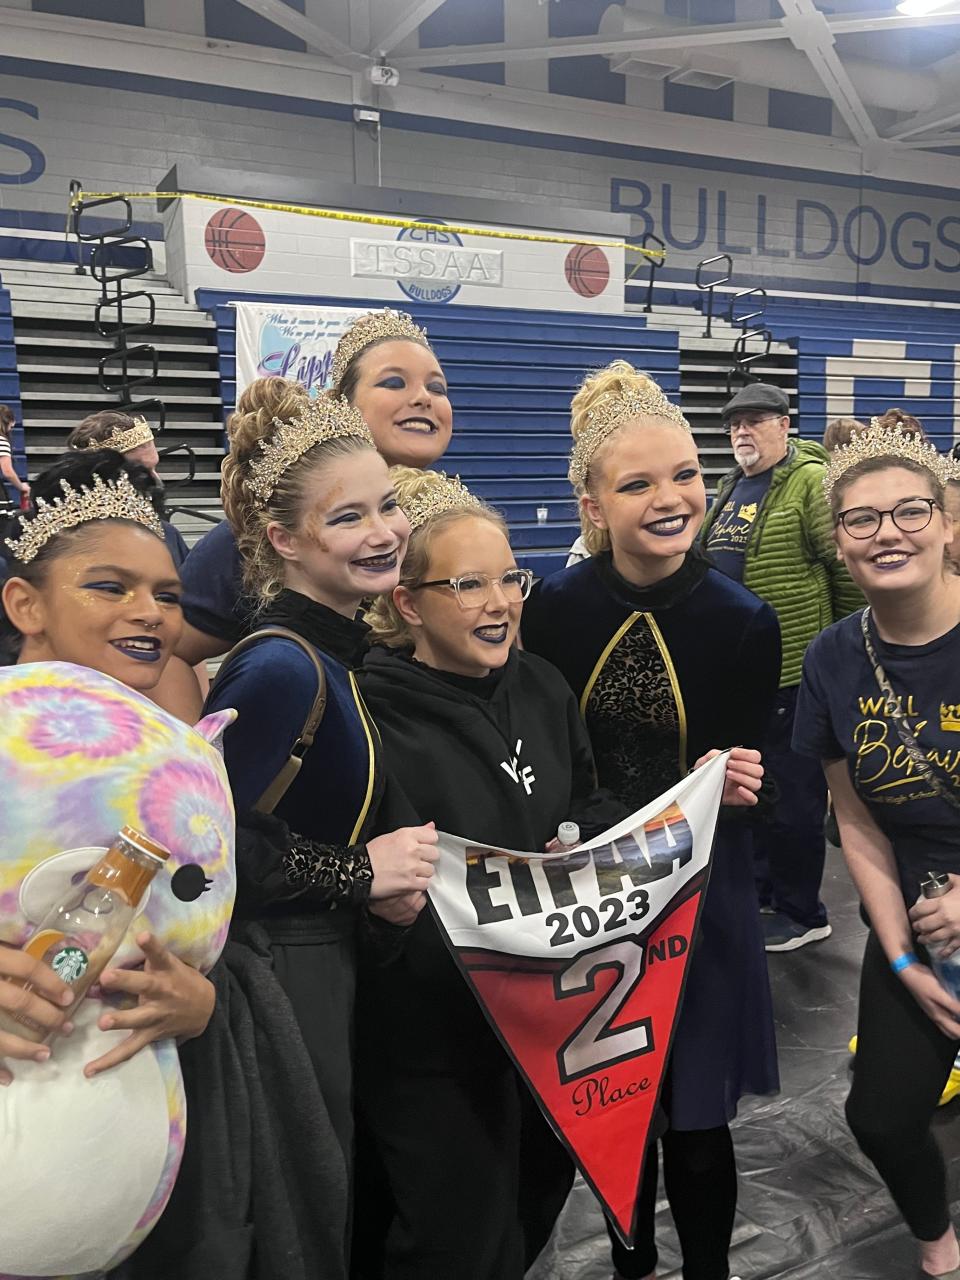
(880, 707)
(486, 740)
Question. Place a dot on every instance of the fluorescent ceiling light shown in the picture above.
(918, 8)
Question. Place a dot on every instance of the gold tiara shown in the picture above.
(439, 497)
(609, 416)
(879, 441)
(122, 441)
(106, 500)
(373, 327)
(324, 418)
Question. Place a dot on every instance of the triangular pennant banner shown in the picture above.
(579, 960)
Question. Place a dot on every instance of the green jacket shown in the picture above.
(791, 557)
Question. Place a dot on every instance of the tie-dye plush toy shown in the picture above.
(86, 1166)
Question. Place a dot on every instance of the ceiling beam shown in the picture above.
(315, 36)
(394, 28)
(679, 37)
(931, 121)
(810, 32)
(577, 46)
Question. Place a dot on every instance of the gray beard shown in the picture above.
(746, 455)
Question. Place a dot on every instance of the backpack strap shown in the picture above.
(281, 783)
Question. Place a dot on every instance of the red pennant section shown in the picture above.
(595, 1051)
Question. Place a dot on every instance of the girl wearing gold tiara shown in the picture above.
(383, 364)
(484, 739)
(668, 659)
(880, 706)
(317, 522)
(62, 605)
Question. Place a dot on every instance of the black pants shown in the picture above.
(469, 1178)
(790, 846)
(700, 1178)
(902, 1064)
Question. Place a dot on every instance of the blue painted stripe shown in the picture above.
(173, 89)
(826, 284)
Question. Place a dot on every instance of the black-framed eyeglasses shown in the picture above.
(910, 515)
(733, 424)
(473, 589)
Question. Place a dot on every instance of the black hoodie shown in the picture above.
(503, 761)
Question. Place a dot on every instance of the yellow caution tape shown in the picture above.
(370, 219)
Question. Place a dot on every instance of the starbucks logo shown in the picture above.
(70, 964)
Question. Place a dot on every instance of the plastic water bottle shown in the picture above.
(568, 833)
(79, 936)
(947, 970)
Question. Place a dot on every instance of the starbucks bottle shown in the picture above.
(80, 935)
(946, 968)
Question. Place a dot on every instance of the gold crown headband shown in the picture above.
(373, 327)
(122, 441)
(879, 441)
(106, 500)
(612, 414)
(445, 495)
(324, 418)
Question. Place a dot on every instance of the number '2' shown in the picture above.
(596, 1044)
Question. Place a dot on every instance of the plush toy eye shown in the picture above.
(189, 882)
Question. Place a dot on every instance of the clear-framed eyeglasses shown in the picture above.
(910, 515)
(473, 590)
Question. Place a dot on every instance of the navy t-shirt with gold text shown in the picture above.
(841, 714)
(727, 539)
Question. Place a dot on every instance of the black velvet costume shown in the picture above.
(662, 675)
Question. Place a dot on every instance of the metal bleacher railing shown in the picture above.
(112, 269)
(117, 257)
(750, 324)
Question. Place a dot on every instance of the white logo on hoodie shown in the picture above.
(522, 776)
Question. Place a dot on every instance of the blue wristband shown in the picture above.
(903, 962)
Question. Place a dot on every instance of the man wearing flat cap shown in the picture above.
(770, 528)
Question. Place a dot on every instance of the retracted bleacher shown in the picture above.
(9, 378)
(511, 376)
(860, 359)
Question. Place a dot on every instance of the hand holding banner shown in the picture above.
(578, 960)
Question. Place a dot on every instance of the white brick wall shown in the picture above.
(116, 138)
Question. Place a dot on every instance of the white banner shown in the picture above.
(293, 342)
(579, 960)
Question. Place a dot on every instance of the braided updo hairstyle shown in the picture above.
(617, 380)
(265, 402)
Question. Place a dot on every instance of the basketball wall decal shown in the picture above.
(587, 270)
(235, 240)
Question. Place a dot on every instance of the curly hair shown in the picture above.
(264, 403)
(387, 624)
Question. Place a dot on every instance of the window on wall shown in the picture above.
(800, 112)
(466, 22)
(589, 76)
(128, 11)
(704, 12)
(690, 100)
(229, 20)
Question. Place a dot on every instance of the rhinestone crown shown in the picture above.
(371, 328)
(106, 500)
(610, 415)
(122, 441)
(884, 442)
(323, 418)
(439, 497)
